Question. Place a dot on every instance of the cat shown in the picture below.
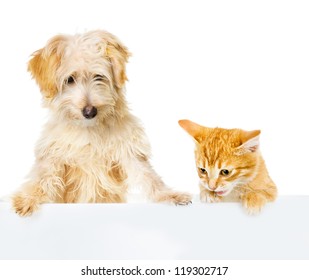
(230, 165)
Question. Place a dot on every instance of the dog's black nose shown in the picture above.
(89, 112)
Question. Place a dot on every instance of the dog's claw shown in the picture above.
(183, 203)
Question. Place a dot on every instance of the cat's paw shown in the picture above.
(209, 197)
(253, 203)
(24, 205)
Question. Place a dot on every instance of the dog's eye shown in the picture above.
(70, 80)
(99, 78)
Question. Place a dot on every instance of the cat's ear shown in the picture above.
(250, 142)
(192, 128)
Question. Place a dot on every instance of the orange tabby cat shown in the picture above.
(231, 166)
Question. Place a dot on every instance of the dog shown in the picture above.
(92, 149)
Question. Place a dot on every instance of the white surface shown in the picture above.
(221, 63)
(154, 231)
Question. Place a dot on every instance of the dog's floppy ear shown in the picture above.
(118, 55)
(44, 64)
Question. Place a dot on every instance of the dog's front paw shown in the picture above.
(209, 197)
(24, 205)
(182, 198)
(253, 203)
(177, 198)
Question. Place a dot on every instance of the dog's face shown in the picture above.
(81, 77)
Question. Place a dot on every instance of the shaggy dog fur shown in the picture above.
(92, 148)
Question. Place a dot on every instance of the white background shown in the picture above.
(231, 64)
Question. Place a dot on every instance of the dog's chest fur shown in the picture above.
(93, 161)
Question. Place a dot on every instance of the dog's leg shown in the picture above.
(26, 201)
(45, 186)
(156, 189)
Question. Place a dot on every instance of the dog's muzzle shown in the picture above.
(89, 112)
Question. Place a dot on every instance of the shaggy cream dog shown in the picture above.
(92, 148)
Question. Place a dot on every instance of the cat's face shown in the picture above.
(225, 158)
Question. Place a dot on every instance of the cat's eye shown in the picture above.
(224, 172)
(70, 80)
(203, 170)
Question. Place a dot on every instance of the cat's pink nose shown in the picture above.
(212, 184)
